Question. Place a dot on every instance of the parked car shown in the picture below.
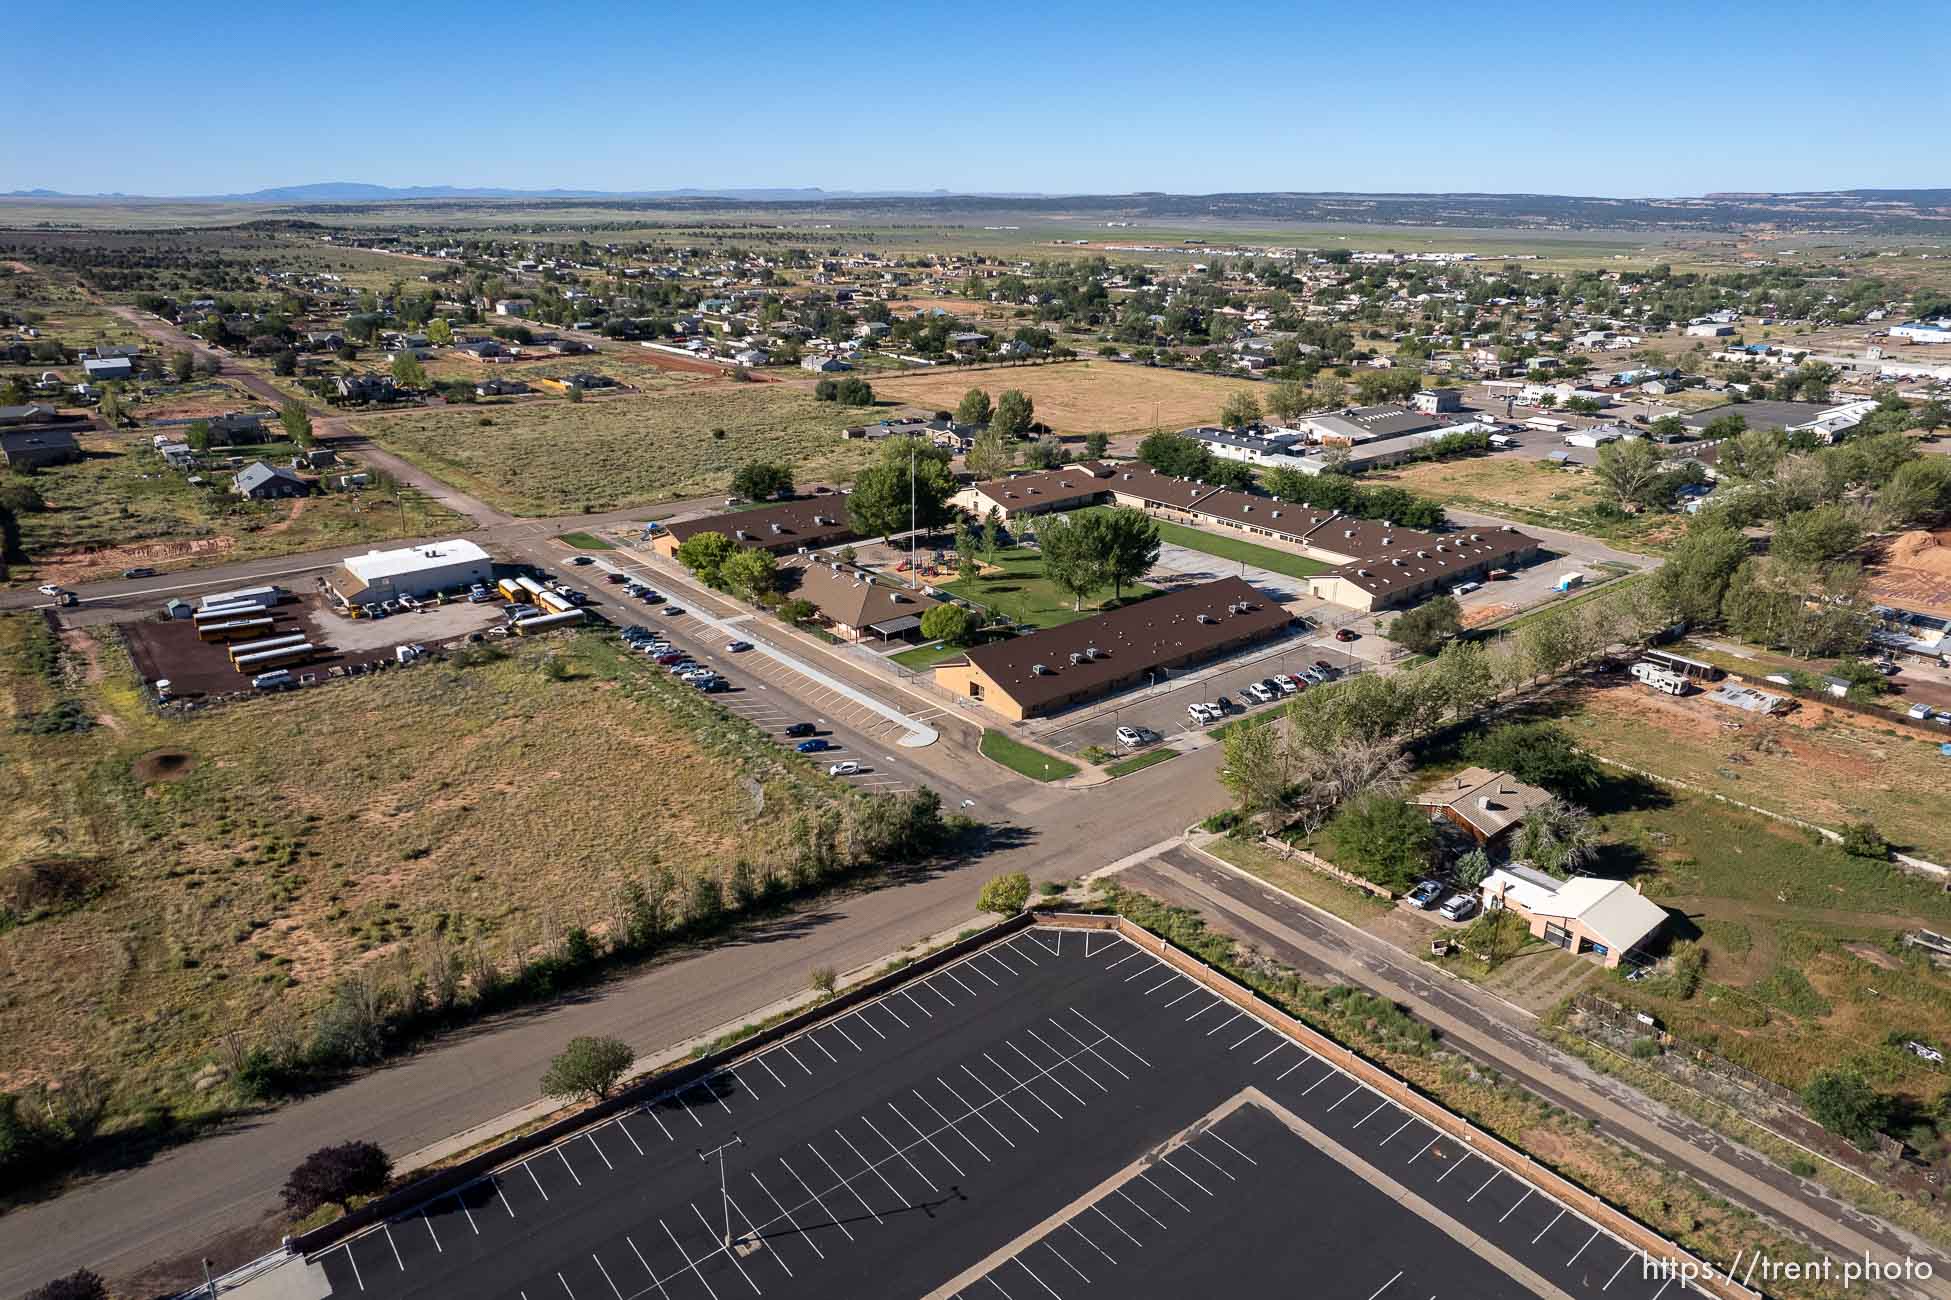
(673, 611)
(49, 589)
(1203, 714)
(1323, 667)
(847, 768)
(1465, 588)
(1134, 736)
(1459, 907)
(650, 597)
(813, 746)
(1285, 683)
(737, 647)
(800, 729)
(478, 594)
(140, 571)
(1918, 712)
(1424, 896)
(1347, 634)
(614, 576)
(582, 559)
(1262, 692)
(669, 657)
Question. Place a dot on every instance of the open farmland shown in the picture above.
(1082, 396)
(118, 507)
(173, 882)
(548, 457)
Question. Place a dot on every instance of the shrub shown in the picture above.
(1005, 895)
(333, 1175)
(1383, 839)
(1645, 1049)
(1843, 1102)
(1802, 1167)
(1862, 840)
(80, 1285)
(825, 979)
(587, 1069)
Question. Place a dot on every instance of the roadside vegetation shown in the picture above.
(191, 923)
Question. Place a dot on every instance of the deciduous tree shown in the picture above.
(587, 1069)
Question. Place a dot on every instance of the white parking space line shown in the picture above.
(1480, 1191)
(1146, 1180)
(1132, 955)
(1034, 1066)
(793, 1056)
(1622, 1266)
(977, 1112)
(752, 1234)
(817, 1043)
(1072, 1225)
(1549, 1226)
(769, 1070)
(991, 954)
(591, 1135)
(537, 1181)
(1386, 1285)
(1072, 1061)
(396, 1249)
(1332, 1072)
(1009, 1105)
(1142, 1210)
(1183, 996)
(1405, 1124)
(1018, 1261)
(1461, 1161)
(1581, 1250)
(950, 972)
(1017, 1085)
(1513, 1210)
(1091, 1048)
(1109, 1037)
(917, 1004)
(899, 1199)
(1230, 1147)
(1166, 1160)
(729, 1253)
(1047, 1245)
(1161, 984)
(566, 1165)
(469, 1213)
(1222, 1024)
(970, 966)
(892, 1012)
(712, 1092)
(648, 1269)
(848, 1184)
(925, 1138)
(948, 1125)
(504, 1197)
(1203, 1010)
(627, 1133)
(1099, 1211)
(1371, 1115)
(685, 1257)
(431, 1233)
(1230, 1177)
(355, 1267)
(804, 1235)
(607, 1277)
(1011, 945)
(1257, 1030)
(838, 1029)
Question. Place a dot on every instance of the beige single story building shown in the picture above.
(809, 523)
(1486, 805)
(1608, 918)
(856, 605)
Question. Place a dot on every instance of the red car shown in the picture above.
(1346, 634)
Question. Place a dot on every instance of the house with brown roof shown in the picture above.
(784, 527)
(1486, 805)
(1060, 667)
(857, 605)
(1413, 566)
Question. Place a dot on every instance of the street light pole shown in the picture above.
(914, 574)
(724, 1194)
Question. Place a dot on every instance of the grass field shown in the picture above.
(1018, 757)
(1525, 491)
(437, 813)
(585, 542)
(1015, 589)
(1236, 549)
(1082, 396)
(119, 506)
(546, 457)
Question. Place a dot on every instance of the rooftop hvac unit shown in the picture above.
(1422, 555)
(777, 529)
(1092, 652)
(1076, 657)
(1388, 539)
(1039, 670)
(1476, 537)
(1397, 561)
(1205, 618)
(1275, 515)
(1248, 508)
(741, 534)
(1362, 573)
(1347, 532)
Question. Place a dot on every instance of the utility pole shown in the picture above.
(209, 1287)
(724, 1194)
(914, 574)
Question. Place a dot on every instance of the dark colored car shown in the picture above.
(813, 746)
(800, 729)
(673, 610)
(1347, 634)
(140, 572)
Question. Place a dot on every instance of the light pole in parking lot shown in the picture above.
(724, 1194)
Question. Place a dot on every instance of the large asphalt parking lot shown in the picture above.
(1058, 1116)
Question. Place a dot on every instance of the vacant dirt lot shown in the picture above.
(1912, 571)
(239, 863)
(682, 439)
(1083, 396)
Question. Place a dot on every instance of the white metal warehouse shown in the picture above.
(410, 571)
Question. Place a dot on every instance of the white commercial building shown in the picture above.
(410, 571)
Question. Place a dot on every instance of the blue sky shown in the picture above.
(1625, 99)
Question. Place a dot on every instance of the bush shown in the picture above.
(1538, 753)
(1645, 1049)
(1862, 840)
(1801, 1167)
(1843, 1102)
(587, 1069)
(81, 1285)
(334, 1175)
(950, 623)
(1005, 895)
(825, 979)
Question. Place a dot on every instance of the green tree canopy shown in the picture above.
(1383, 839)
(1843, 1102)
(408, 372)
(751, 572)
(1239, 410)
(587, 1069)
(1424, 629)
(975, 407)
(950, 623)
(879, 503)
(760, 480)
(1015, 413)
(705, 555)
(1005, 895)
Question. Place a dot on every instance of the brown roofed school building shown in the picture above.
(1069, 488)
(812, 522)
(857, 606)
(1059, 667)
(1416, 566)
(1485, 804)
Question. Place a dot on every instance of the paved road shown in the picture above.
(191, 1195)
(1485, 1027)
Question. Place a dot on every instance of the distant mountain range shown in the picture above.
(360, 192)
(1885, 211)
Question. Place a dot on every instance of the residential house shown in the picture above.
(104, 369)
(261, 482)
(1486, 805)
(1608, 918)
(30, 446)
(367, 388)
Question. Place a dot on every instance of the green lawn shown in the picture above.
(1139, 762)
(1021, 594)
(585, 542)
(1018, 757)
(1237, 549)
(1246, 723)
